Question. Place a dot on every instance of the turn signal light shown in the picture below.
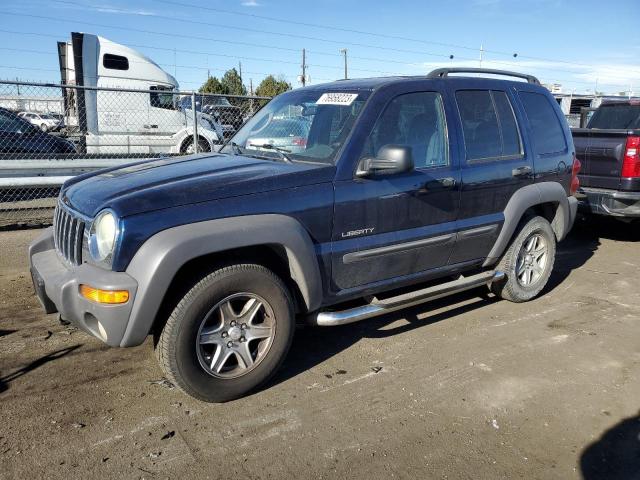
(104, 296)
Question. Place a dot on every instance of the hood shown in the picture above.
(169, 182)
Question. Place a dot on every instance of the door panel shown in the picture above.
(396, 225)
(496, 166)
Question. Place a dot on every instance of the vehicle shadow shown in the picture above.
(584, 240)
(4, 381)
(314, 345)
(616, 454)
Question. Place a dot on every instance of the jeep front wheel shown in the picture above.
(229, 333)
(528, 261)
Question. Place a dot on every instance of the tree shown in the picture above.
(272, 86)
(212, 85)
(232, 83)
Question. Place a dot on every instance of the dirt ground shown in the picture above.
(468, 387)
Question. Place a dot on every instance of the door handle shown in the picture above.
(440, 183)
(521, 171)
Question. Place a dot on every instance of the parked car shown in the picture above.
(219, 109)
(288, 134)
(609, 150)
(409, 189)
(44, 121)
(19, 136)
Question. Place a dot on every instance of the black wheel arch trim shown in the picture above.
(528, 197)
(161, 257)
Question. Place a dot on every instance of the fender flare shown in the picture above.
(161, 257)
(526, 198)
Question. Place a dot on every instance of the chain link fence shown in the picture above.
(51, 132)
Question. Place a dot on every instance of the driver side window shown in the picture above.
(416, 120)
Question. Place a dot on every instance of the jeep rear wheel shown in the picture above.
(229, 333)
(528, 261)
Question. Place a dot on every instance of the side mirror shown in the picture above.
(391, 159)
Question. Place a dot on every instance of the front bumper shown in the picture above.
(609, 202)
(57, 286)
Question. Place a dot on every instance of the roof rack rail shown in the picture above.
(444, 72)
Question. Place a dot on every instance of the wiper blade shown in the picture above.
(268, 146)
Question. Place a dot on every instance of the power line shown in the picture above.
(230, 27)
(384, 72)
(198, 67)
(263, 46)
(192, 21)
(360, 32)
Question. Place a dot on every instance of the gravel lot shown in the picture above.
(468, 387)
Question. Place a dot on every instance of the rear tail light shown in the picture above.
(575, 182)
(299, 141)
(631, 161)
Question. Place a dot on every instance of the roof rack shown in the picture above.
(444, 72)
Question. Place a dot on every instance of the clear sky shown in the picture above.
(582, 44)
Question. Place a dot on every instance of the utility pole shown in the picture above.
(251, 86)
(303, 78)
(240, 70)
(344, 52)
(481, 55)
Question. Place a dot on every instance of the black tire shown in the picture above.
(44, 127)
(178, 348)
(203, 145)
(514, 288)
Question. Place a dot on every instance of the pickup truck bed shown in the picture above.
(610, 172)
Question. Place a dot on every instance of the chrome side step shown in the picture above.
(387, 305)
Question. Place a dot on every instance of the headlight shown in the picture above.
(102, 237)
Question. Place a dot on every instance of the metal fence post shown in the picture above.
(196, 143)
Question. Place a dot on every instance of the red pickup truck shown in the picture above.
(609, 150)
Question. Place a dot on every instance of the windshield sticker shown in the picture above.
(337, 98)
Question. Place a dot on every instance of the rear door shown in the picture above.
(495, 165)
(393, 226)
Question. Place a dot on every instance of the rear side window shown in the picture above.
(508, 125)
(115, 62)
(547, 131)
(488, 124)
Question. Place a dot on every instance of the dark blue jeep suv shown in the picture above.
(401, 190)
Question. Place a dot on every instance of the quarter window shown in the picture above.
(488, 124)
(416, 120)
(548, 135)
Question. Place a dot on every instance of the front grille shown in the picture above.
(68, 235)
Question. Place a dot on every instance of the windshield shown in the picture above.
(307, 125)
(217, 101)
(619, 116)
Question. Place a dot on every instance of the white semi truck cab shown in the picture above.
(128, 105)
